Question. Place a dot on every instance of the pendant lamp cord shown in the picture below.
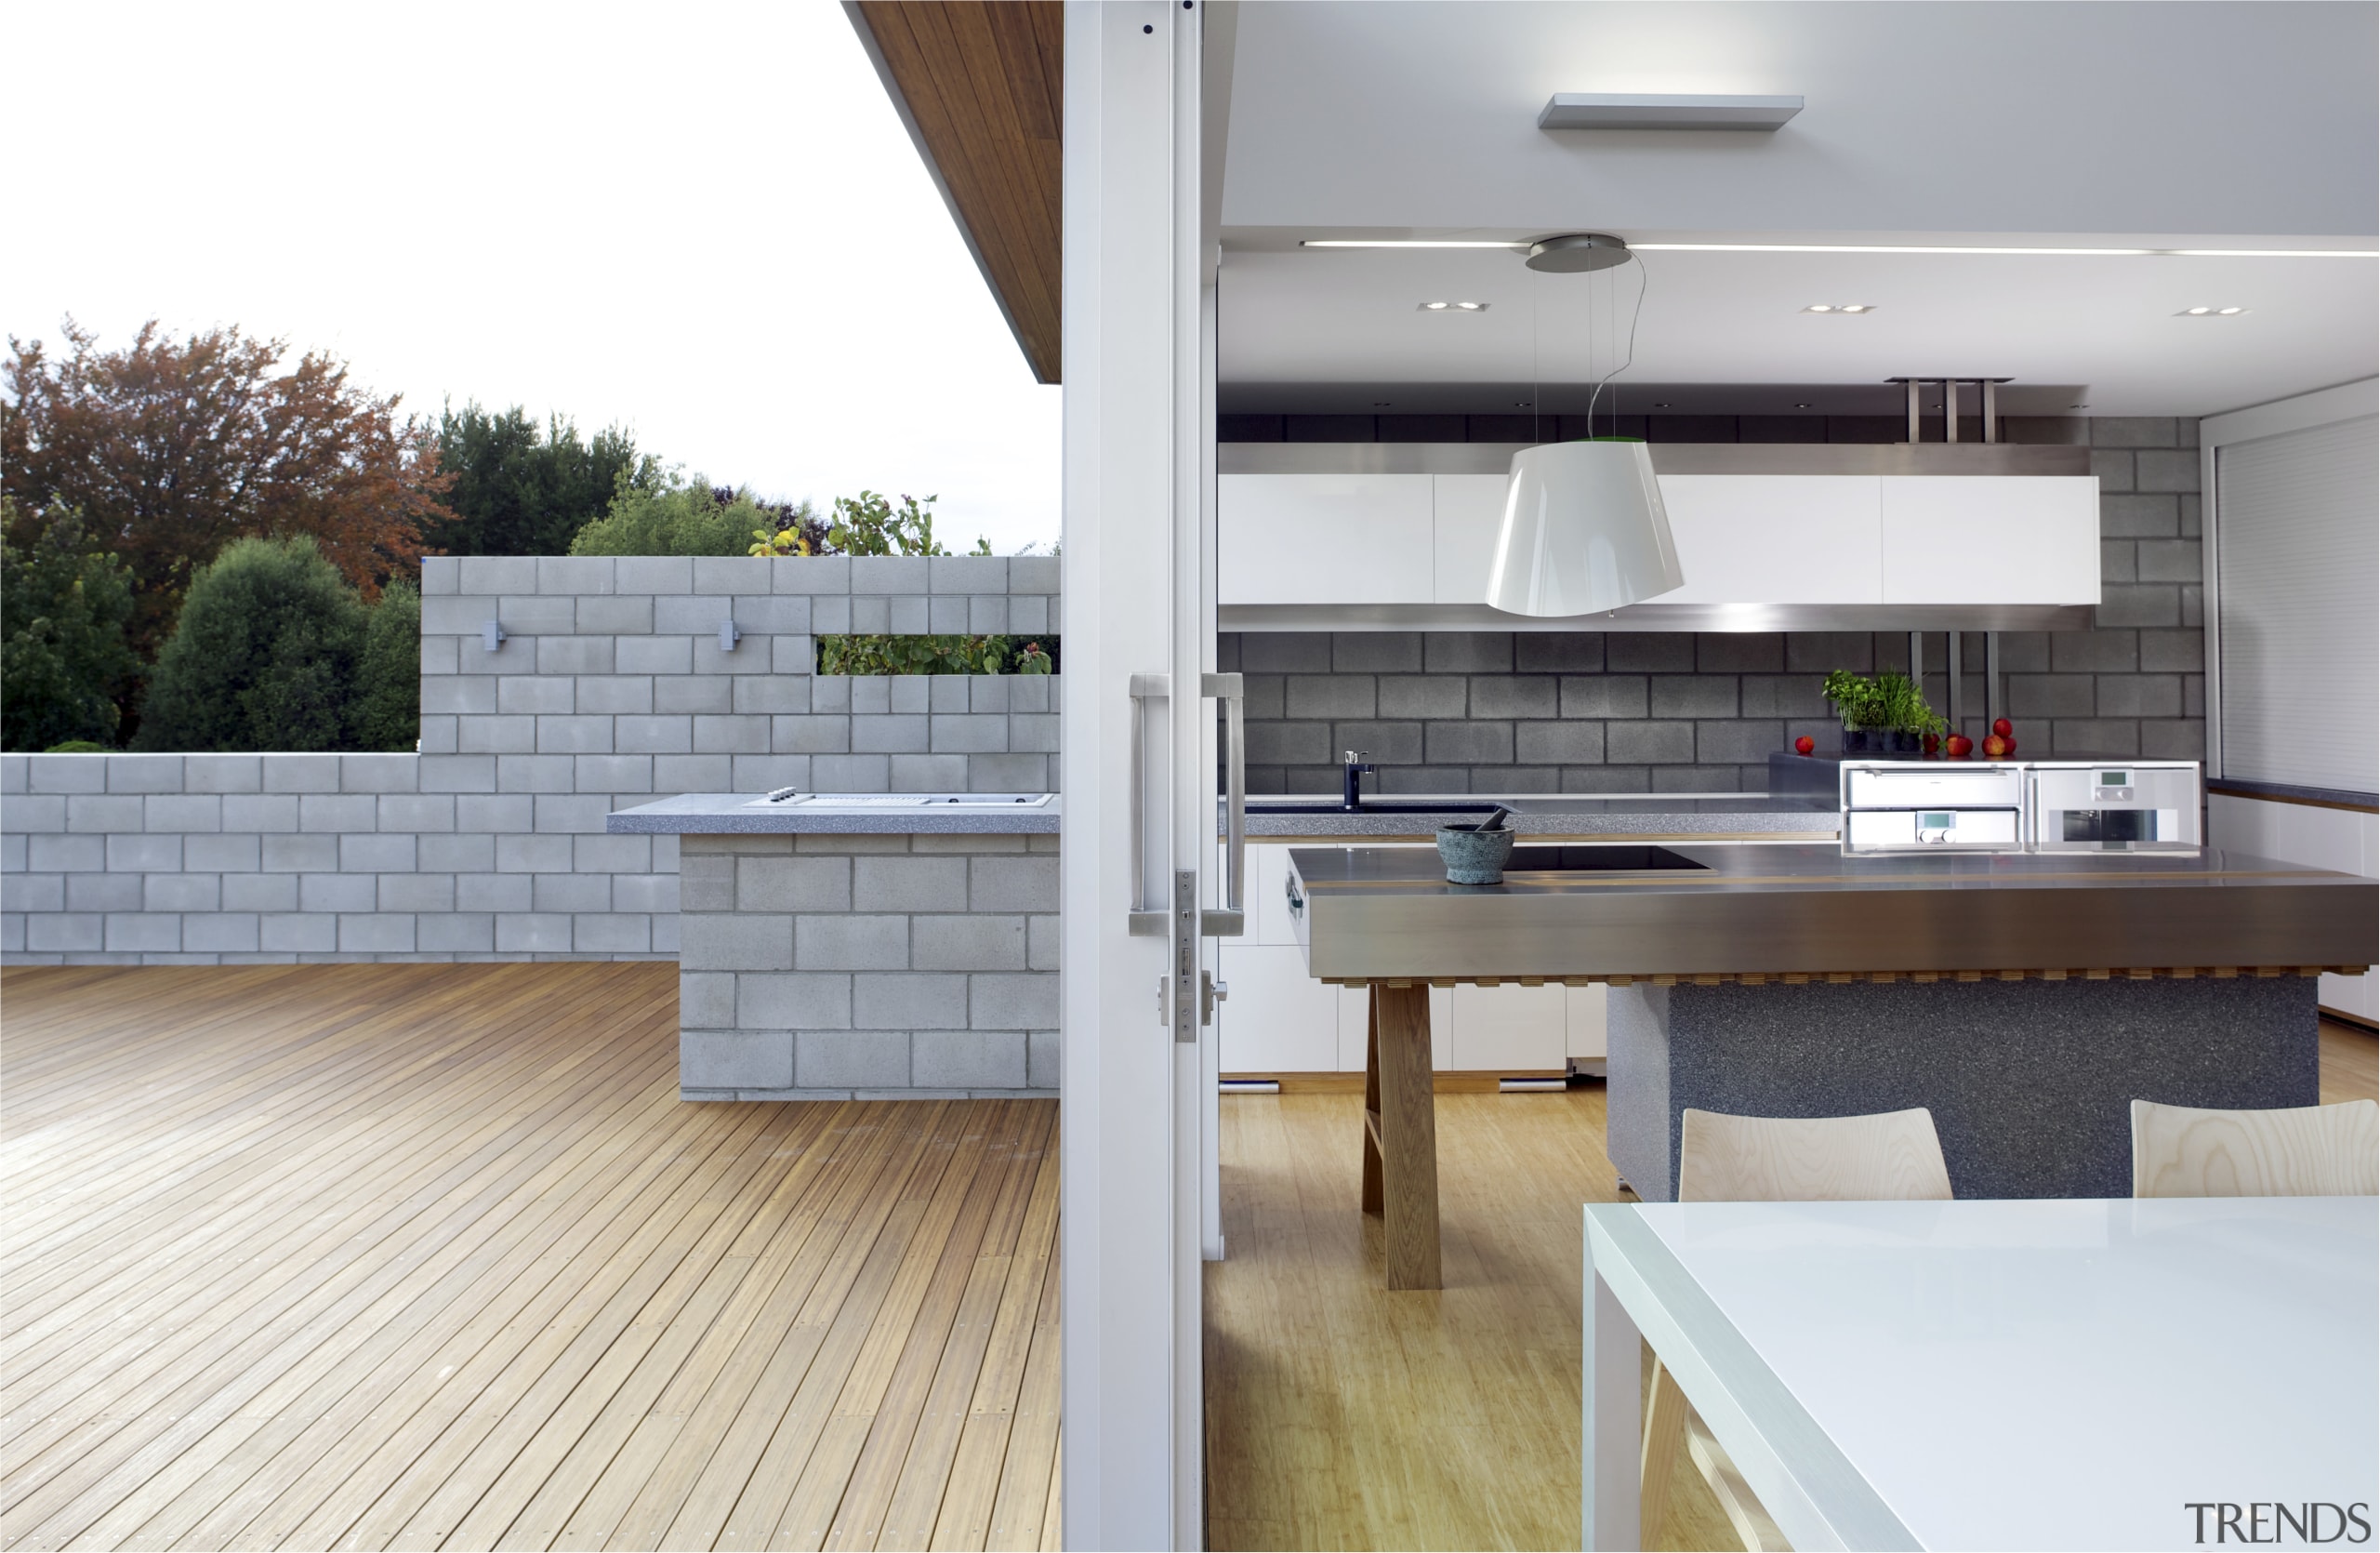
(1638, 261)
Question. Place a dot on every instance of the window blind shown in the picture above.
(2298, 563)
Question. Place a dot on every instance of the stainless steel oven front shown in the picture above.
(2096, 804)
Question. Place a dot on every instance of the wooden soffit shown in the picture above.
(979, 84)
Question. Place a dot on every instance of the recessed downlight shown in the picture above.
(1841, 307)
(2210, 313)
(1452, 307)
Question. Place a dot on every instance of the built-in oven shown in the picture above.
(2095, 805)
(1908, 805)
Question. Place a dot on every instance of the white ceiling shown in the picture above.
(2102, 123)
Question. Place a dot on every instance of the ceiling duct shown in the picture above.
(1989, 388)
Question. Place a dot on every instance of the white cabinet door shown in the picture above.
(1470, 510)
(1277, 1019)
(1508, 1030)
(1991, 539)
(1324, 539)
(1775, 538)
(1267, 898)
(1586, 1034)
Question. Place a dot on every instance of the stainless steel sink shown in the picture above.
(1600, 859)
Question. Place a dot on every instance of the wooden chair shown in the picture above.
(1893, 1156)
(2300, 1151)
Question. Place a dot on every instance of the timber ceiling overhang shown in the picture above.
(980, 86)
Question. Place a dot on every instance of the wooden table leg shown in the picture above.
(1401, 1133)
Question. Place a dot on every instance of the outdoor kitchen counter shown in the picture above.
(2025, 1000)
(743, 814)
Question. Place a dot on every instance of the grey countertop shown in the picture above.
(742, 814)
(1788, 908)
(1731, 815)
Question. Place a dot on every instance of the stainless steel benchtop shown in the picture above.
(1732, 815)
(1383, 912)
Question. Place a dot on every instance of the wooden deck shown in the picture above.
(433, 1256)
(1341, 1414)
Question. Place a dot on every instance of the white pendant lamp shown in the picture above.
(1584, 531)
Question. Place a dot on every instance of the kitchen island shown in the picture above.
(2025, 1000)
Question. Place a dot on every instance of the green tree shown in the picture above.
(63, 608)
(869, 524)
(387, 688)
(521, 489)
(264, 655)
(674, 517)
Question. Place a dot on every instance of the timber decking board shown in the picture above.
(433, 1255)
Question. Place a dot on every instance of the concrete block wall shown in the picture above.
(819, 967)
(1503, 711)
(610, 688)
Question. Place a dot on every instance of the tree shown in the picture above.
(674, 517)
(173, 449)
(63, 661)
(388, 679)
(519, 490)
(264, 655)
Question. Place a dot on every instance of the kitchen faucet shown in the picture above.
(1351, 781)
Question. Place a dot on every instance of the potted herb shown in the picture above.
(1886, 715)
(1907, 715)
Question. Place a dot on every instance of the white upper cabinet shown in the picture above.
(1470, 514)
(1325, 539)
(1775, 538)
(1986, 539)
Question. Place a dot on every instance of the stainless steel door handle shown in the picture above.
(1231, 920)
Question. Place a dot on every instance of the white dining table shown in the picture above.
(2038, 1374)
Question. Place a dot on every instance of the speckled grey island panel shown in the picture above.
(2030, 1083)
(736, 813)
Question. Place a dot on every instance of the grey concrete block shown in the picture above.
(745, 941)
(848, 943)
(1559, 743)
(2080, 736)
(907, 693)
(22, 893)
(497, 813)
(1028, 617)
(610, 933)
(792, 883)
(221, 932)
(32, 814)
(458, 773)
(652, 893)
(774, 694)
(105, 892)
(969, 734)
(495, 736)
(1746, 741)
(537, 615)
(535, 774)
(1698, 695)
(136, 932)
(376, 854)
(1649, 652)
(946, 616)
(335, 811)
(611, 854)
(101, 814)
(470, 932)
(1649, 743)
(768, 773)
(1781, 695)
(212, 854)
(1330, 696)
(988, 615)
(933, 773)
(851, 773)
(707, 881)
(1033, 574)
(810, 735)
(889, 573)
(1034, 733)
(493, 892)
(811, 574)
(533, 933)
(260, 892)
(2138, 517)
(574, 736)
(1606, 695)
(415, 892)
(830, 616)
(909, 883)
(441, 853)
(67, 774)
(66, 853)
(735, 1059)
(730, 735)
(379, 773)
(950, 693)
(2119, 561)
(692, 774)
(2174, 651)
(2170, 561)
(2139, 696)
(2103, 652)
(655, 735)
(2147, 605)
(2051, 695)
(794, 656)
(65, 933)
(852, 1058)
(1269, 652)
(653, 574)
(1042, 1053)
(301, 932)
(967, 942)
(626, 774)
(575, 655)
(337, 891)
(707, 999)
(461, 696)
(459, 617)
(161, 854)
(529, 695)
(1009, 883)
(2135, 432)
(694, 616)
(1738, 653)
(222, 773)
(2112, 467)
(1469, 743)
(499, 574)
(576, 814)
(652, 655)
(971, 1059)
(1043, 939)
(2177, 471)
(889, 735)
(15, 774)
(968, 574)
(683, 696)
(2179, 740)
(533, 854)
(629, 615)
(442, 573)
(909, 1001)
(283, 854)
(733, 574)
(574, 893)
(144, 773)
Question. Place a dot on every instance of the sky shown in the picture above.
(702, 221)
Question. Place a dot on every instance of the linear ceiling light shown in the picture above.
(1643, 110)
(1841, 307)
(1453, 307)
(1862, 249)
(2210, 313)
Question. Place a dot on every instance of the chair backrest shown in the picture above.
(2302, 1151)
(1828, 1159)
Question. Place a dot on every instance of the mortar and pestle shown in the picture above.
(1475, 854)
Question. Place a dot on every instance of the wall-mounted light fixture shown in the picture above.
(1664, 111)
(492, 635)
(728, 636)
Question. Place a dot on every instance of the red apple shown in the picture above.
(2001, 726)
(1804, 744)
(1994, 746)
(2011, 744)
(1958, 746)
(1933, 742)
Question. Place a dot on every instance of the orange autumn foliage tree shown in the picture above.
(172, 449)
